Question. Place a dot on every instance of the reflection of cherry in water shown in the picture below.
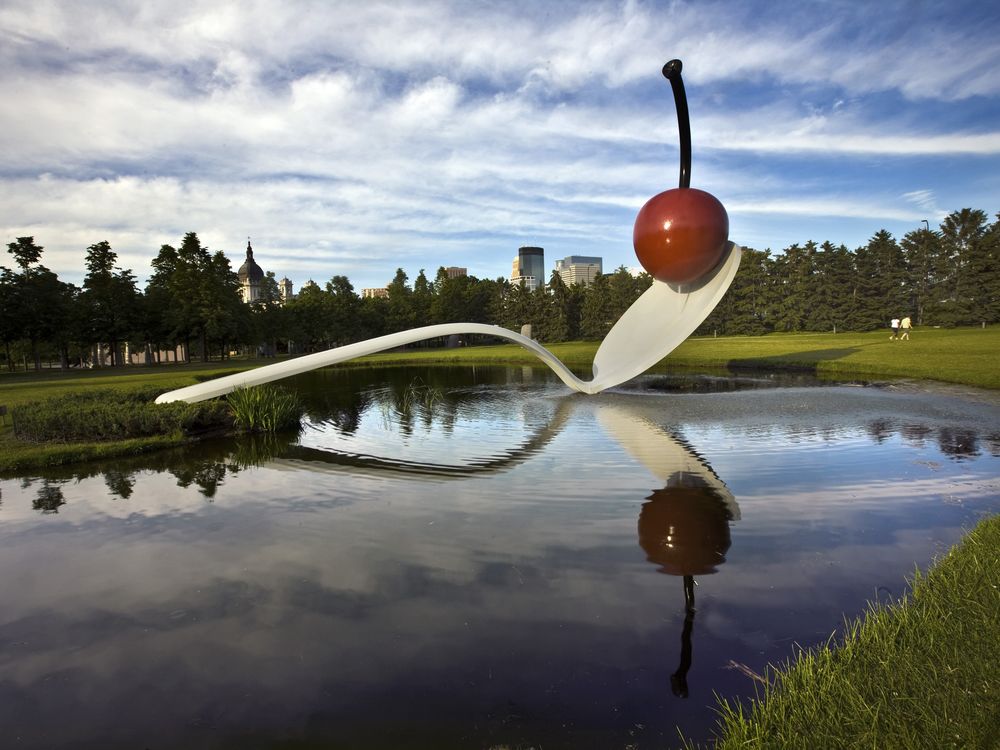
(684, 528)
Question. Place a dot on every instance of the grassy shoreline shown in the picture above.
(963, 356)
(920, 673)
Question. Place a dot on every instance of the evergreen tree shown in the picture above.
(831, 299)
(400, 313)
(963, 266)
(623, 290)
(595, 312)
(496, 310)
(309, 313)
(162, 321)
(198, 296)
(452, 298)
(187, 294)
(110, 300)
(267, 313)
(10, 312)
(372, 317)
(482, 299)
(920, 248)
(344, 310)
(520, 308)
(423, 296)
(226, 319)
(556, 321)
(793, 278)
(743, 309)
(989, 274)
(41, 302)
(880, 290)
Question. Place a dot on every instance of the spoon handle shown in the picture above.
(299, 365)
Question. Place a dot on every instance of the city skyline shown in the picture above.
(359, 139)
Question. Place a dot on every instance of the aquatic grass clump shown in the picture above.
(919, 673)
(265, 408)
(418, 395)
(416, 399)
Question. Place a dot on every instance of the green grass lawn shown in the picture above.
(922, 673)
(967, 356)
(20, 388)
(964, 355)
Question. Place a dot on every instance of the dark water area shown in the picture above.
(474, 558)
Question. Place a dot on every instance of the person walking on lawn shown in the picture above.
(904, 328)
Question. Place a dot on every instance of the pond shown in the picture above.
(474, 558)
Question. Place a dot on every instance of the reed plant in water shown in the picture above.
(265, 408)
(412, 401)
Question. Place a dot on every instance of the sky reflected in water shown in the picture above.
(472, 558)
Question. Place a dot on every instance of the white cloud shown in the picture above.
(403, 131)
(925, 200)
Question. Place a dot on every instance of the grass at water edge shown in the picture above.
(964, 356)
(918, 673)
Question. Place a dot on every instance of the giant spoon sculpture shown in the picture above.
(680, 238)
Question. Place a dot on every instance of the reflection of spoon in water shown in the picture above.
(684, 526)
(669, 236)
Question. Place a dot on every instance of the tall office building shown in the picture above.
(579, 269)
(529, 268)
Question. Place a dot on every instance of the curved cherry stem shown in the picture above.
(672, 72)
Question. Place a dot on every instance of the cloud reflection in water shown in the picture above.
(239, 595)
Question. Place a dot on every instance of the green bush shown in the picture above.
(265, 408)
(114, 414)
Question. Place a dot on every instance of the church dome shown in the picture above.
(250, 272)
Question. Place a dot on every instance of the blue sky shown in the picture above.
(357, 137)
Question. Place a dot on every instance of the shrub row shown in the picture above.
(114, 414)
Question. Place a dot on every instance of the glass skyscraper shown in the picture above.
(529, 268)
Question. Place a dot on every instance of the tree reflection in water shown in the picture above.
(50, 497)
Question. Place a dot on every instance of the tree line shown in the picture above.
(944, 277)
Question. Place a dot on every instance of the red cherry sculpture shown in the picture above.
(681, 234)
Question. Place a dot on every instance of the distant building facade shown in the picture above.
(454, 272)
(371, 293)
(251, 276)
(579, 269)
(528, 268)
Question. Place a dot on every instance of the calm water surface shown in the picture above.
(471, 558)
